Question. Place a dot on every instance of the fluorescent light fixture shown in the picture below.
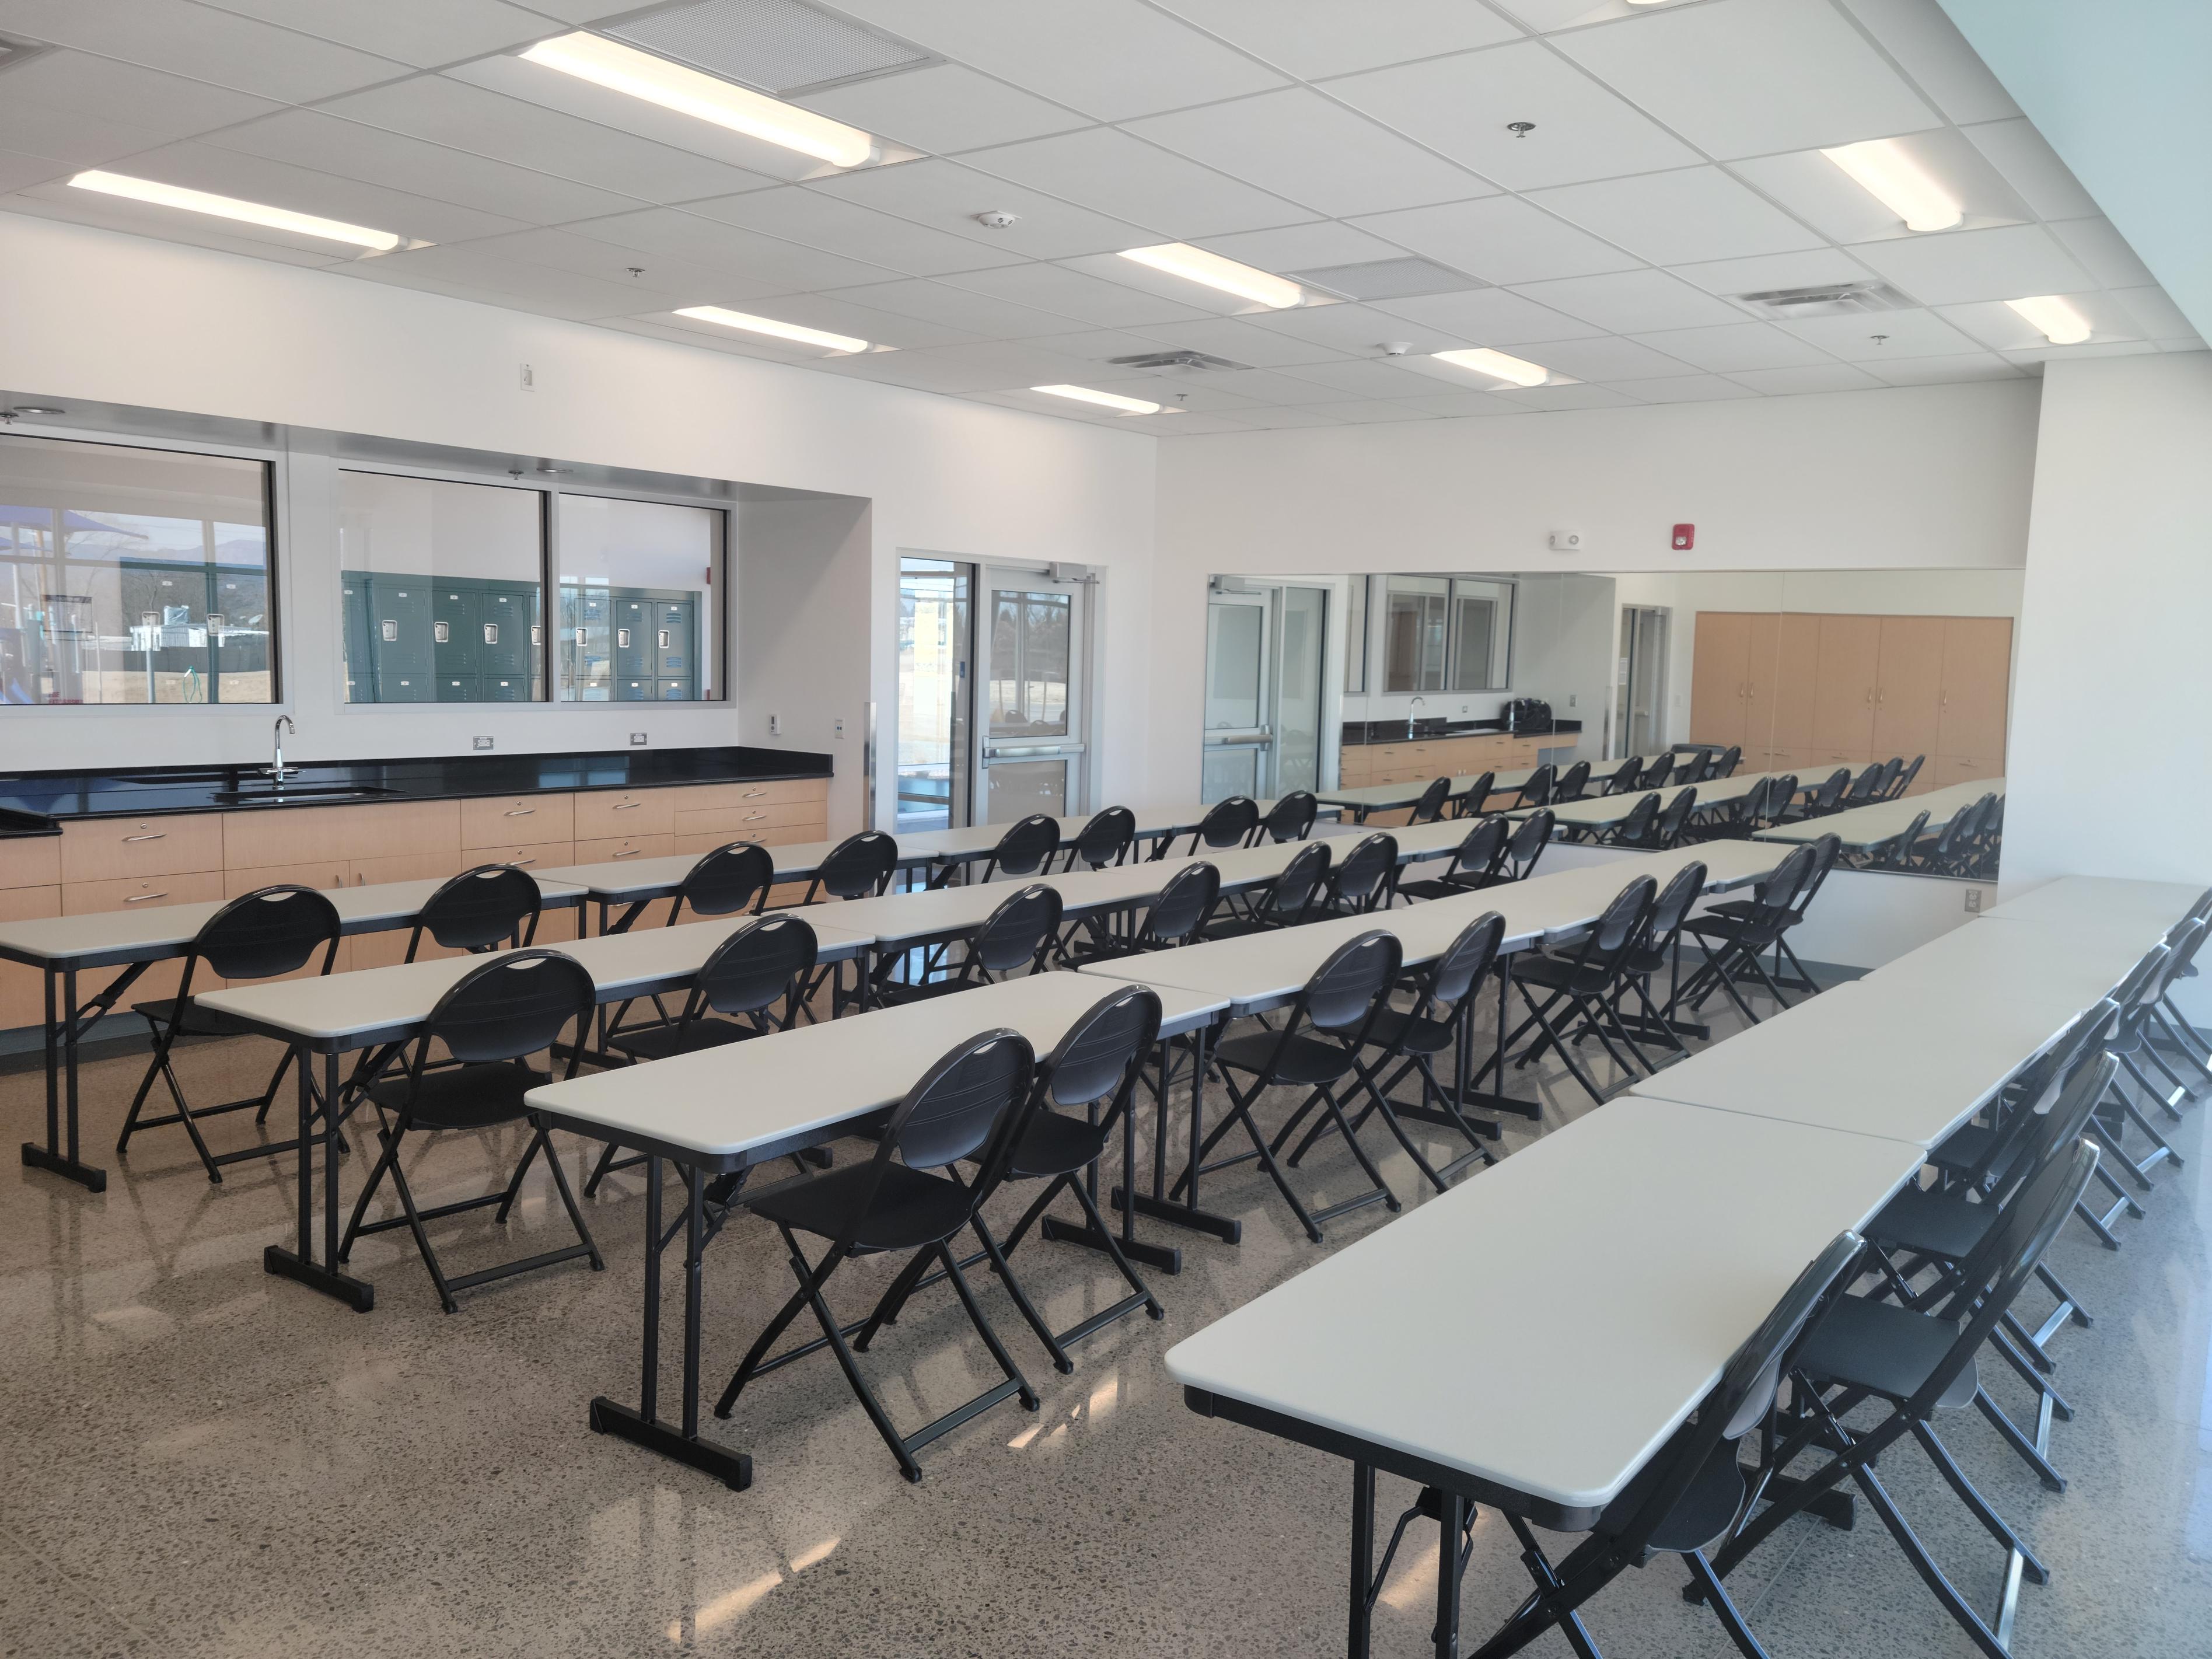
(229, 207)
(1893, 177)
(624, 69)
(1496, 364)
(1196, 265)
(1084, 394)
(752, 324)
(2061, 324)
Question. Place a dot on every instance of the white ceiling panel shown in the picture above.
(1959, 265)
(1880, 337)
(765, 261)
(1805, 378)
(2001, 328)
(1546, 16)
(1240, 343)
(1156, 63)
(1633, 301)
(214, 47)
(1076, 293)
(1689, 389)
(943, 109)
(843, 316)
(1265, 387)
(19, 172)
(424, 33)
(1733, 347)
(1928, 45)
(531, 287)
(2049, 354)
(1311, 39)
(1190, 425)
(1453, 405)
(1501, 240)
(76, 107)
(820, 220)
(1299, 145)
(1490, 316)
(1284, 416)
(689, 330)
(947, 196)
(976, 314)
(610, 262)
(1774, 271)
(1004, 363)
(2155, 313)
(1601, 358)
(1378, 412)
(2032, 169)
(1568, 397)
(1371, 377)
(1750, 77)
(53, 200)
(1197, 394)
(1357, 331)
(1460, 106)
(1671, 217)
(1096, 345)
(1315, 247)
(1111, 173)
(1823, 195)
(2104, 252)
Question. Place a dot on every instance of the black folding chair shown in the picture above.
(1827, 850)
(1656, 949)
(1469, 802)
(1573, 784)
(728, 881)
(1108, 839)
(1903, 780)
(1174, 916)
(1581, 981)
(1360, 881)
(273, 930)
(1290, 819)
(1430, 806)
(1733, 938)
(1227, 824)
(1723, 764)
(1027, 849)
(972, 1106)
(1633, 830)
(1016, 938)
(1659, 773)
(1823, 799)
(1862, 790)
(479, 910)
(491, 1020)
(1526, 847)
(1895, 852)
(1887, 781)
(1284, 902)
(1473, 865)
(1537, 792)
(859, 866)
(1626, 779)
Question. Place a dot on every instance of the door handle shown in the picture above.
(519, 812)
(157, 834)
(141, 898)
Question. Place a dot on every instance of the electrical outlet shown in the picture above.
(481, 743)
(529, 377)
(776, 725)
(1973, 901)
(637, 739)
(839, 729)
(1571, 700)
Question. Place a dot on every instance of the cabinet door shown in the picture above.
(1976, 672)
(1843, 699)
(23, 990)
(1796, 679)
(1720, 660)
(1908, 686)
(1762, 674)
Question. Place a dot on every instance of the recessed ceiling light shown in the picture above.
(1893, 177)
(229, 207)
(1483, 360)
(1084, 394)
(705, 97)
(752, 324)
(1196, 265)
(2059, 322)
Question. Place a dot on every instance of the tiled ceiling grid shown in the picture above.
(1675, 160)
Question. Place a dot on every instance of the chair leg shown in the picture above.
(1992, 1522)
(568, 1203)
(399, 1184)
(984, 1329)
(893, 1301)
(382, 1167)
(1723, 1606)
(775, 1327)
(1027, 1308)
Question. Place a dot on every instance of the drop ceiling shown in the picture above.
(1673, 162)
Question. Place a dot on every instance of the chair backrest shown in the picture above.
(1657, 774)
(1671, 908)
(1026, 847)
(1106, 839)
(1291, 894)
(1625, 777)
(1573, 783)
(1228, 821)
(1361, 877)
(2183, 942)
(1691, 769)
(1430, 806)
(490, 905)
(1861, 786)
(1904, 778)
(859, 866)
(1618, 927)
(511, 1006)
(1887, 781)
(1774, 894)
(1290, 819)
(1480, 851)
(1101, 1051)
(1341, 994)
(2047, 1133)
(1753, 805)
(1467, 961)
(757, 966)
(727, 881)
(1473, 797)
(1725, 763)
(1528, 845)
(1537, 792)
(1637, 826)
(1826, 851)
(1902, 846)
(970, 1104)
(1676, 815)
(1830, 792)
(272, 930)
(1183, 904)
(1017, 934)
(1780, 792)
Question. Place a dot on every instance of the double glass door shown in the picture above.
(1029, 650)
(1263, 690)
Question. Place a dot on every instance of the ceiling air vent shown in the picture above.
(1385, 279)
(1163, 361)
(781, 46)
(1829, 300)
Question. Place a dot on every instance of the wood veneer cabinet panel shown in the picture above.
(1762, 674)
(1977, 678)
(694, 796)
(1909, 685)
(601, 813)
(112, 848)
(31, 861)
(1796, 679)
(22, 990)
(1843, 702)
(493, 821)
(1719, 671)
(271, 835)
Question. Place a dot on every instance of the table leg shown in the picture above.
(643, 1426)
(61, 1034)
(1356, 1641)
(1164, 1258)
(1500, 1101)
(1185, 1214)
(1451, 1521)
(299, 1264)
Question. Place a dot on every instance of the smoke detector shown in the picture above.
(997, 219)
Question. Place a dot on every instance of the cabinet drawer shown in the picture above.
(410, 866)
(530, 854)
(327, 875)
(1963, 768)
(31, 861)
(517, 821)
(606, 850)
(796, 835)
(107, 849)
(744, 820)
(295, 834)
(22, 990)
(693, 797)
(82, 898)
(604, 812)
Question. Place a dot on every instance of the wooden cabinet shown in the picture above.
(129, 892)
(1843, 684)
(605, 813)
(1720, 677)
(1796, 681)
(110, 849)
(518, 821)
(611, 849)
(22, 990)
(1976, 680)
(1909, 685)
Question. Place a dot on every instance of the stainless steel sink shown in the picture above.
(299, 794)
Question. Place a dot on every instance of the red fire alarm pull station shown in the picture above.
(1686, 538)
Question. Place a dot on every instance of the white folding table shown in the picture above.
(972, 843)
(63, 947)
(2155, 904)
(633, 883)
(1863, 828)
(1360, 799)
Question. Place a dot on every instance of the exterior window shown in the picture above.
(639, 617)
(131, 575)
(1447, 633)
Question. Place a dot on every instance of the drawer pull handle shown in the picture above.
(753, 794)
(141, 898)
(157, 834)
(521, 811)
(630, 853)
(625, 805)
(522, 860)
(754, 817)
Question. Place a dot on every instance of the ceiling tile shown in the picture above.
(1501, 240)
(1928, 45)
(1546, 16)
(424, 33)
(1111, 173)
(1959, 266)
(1192, 300)
(1806, 378)
(1633, 301)
(1672, 218)
(1460, 106)
(1733, 347)
(1240, 343)
(2001, 328)
(1452, 404)
(819, 220)
(1303, 247)
(2104, 252)
(1567, 397)
(1096, 345)
(214, 46)
(1191, 425)
(1264, 386)
(18, 170)
(1182, 392)
(1750, 77)
(1282, 417)
(1374, 377)
(2109, 349)
(1874, 340)
(1075, 294)
(946, 196)
(513, 283)
(2155, 313)
(54, 200)
(1313, 37)
(1821, 194)
(843, 316)
(1490, 316)
(461, 117)
(976, 314)
(1604, 357)
(86, 110)
(685, 330)
(765, 261)
(1374, 413)
(1774, 271)
(2032, 169)
(612, 262)
(1112, 59)
(943, 108)
(1300, 146)
(1356, 331)
(1689, 389)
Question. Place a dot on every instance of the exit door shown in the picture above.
(1640, 714)
(1029, 650)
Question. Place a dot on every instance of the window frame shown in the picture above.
(1448, 668)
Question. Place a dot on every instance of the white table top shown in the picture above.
(1634, 1251)
(2157, 904)
(643, 879)
(375, 1002)
(1613, 809)
(975, 840)
(1869, 826)
(723, 1102)
(152, 931)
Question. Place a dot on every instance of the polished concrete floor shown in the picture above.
(201, 1460)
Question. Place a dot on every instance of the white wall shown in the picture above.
(90, 316)
(1564, 626)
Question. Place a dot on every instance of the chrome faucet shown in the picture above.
(280, 771)
(1423, 702)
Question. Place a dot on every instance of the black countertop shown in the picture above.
(1365, 731)
(30, 801)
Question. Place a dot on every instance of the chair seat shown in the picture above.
(1707, 1508)
(1441, 887)
(1304, 1059)
(1884, 1349)
(1557, 974)
(1963, 1148)
(666, 1042)
(1936, 1224)
(911, 1208)
(466, 1097)
(1409, 1033)
(198, 1021)
(891, 992)
(1238, 928)
(1056, 1144)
